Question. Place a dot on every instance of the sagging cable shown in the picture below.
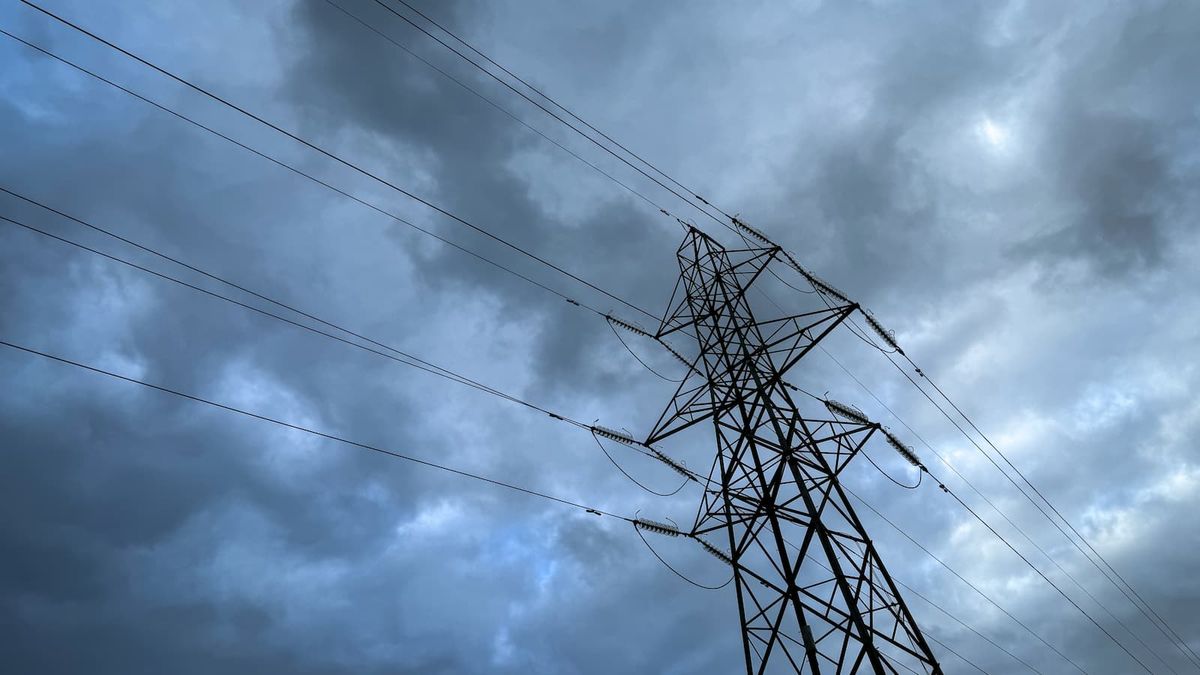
(847, 412)
(914, 486)
(637, 528)
(633, 480)
(647, 366)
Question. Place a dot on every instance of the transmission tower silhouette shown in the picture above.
(813, 594)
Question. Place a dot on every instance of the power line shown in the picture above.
(962, 658)
(309, 430)
(888, 355)
(962, 623)
(1177, 641)
(943, 610)
(564, 109)
(498, 107)
(708, 484)
(1048, 518)
(1045, 578)
(431, 367)
(313, 146)
(1056, 512)
(963, 579)
(544, 109)
(292, 169)
(452, 216)
(701, 199)
(993, 505)
(397, 356)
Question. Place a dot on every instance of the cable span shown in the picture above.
(988, 501)
(279, 163)
(498, 107)
(414, 197)
(398, 356)
(1044, 553)
(962, 658)
(963, 579)
(308, 430)
(546, 110)
(960, 622)
(1178, 641)
(1045, 578)
(327, 153)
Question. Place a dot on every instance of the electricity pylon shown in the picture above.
(813, 594)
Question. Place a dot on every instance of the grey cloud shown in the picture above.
(149, 534)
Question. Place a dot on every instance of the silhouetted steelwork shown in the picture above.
(813, 594)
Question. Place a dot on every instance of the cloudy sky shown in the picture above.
(1009, 185)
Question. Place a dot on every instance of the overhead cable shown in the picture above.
(315, 432)
(331, 155)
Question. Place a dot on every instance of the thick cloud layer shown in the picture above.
(1010, 186)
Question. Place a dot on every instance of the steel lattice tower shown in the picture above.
(813, 594)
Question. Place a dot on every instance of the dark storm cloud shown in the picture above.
(1123, 109)
(149, 534)
(350, 79)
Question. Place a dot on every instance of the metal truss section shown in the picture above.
(813, 594)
